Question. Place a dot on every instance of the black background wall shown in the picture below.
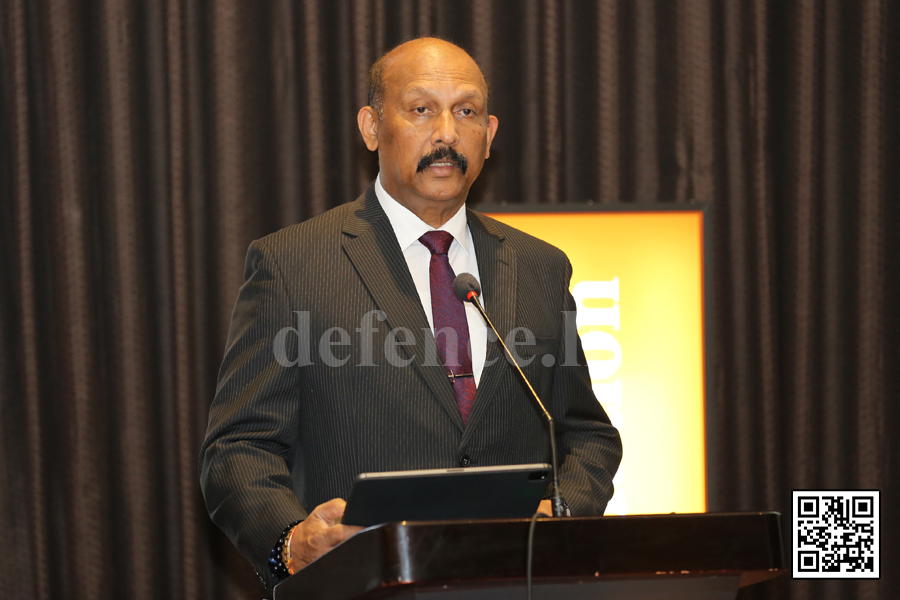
(143, 144)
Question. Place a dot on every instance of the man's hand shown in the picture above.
(546, 508)
(319, 533)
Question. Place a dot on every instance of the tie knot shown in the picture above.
(437, 241)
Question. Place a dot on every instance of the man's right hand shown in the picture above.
(319, 533)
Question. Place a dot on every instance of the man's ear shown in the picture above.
(493, 124)
(368, 121)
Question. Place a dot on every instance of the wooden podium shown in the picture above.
(654, 557)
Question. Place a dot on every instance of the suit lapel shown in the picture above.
(497, 270)
(371, 245)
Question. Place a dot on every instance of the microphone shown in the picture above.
(467, 289)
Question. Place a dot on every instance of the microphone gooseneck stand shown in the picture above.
(468, 290)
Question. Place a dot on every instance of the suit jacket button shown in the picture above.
(464, 460)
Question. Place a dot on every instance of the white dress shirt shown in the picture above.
(409, 228)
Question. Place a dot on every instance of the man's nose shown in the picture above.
(445, 129)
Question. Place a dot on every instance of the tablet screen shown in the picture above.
(503, 492)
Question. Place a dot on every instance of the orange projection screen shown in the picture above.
(638, 283)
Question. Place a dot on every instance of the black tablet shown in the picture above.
(505, 492)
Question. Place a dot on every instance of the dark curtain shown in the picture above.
(144, 144)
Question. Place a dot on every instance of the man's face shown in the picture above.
(435, 132)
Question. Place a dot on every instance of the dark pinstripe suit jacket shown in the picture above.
(282, 440)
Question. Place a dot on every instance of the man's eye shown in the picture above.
(467, 112)
(421, 110)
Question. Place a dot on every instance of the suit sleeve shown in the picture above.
(588, 445)
(246, 458)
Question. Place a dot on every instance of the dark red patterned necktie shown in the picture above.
(451, 329)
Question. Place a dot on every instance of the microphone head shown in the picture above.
(465, 286)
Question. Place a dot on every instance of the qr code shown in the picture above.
(836, 534)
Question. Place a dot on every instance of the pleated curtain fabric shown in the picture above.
(143, 145)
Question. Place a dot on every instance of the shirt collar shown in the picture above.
(409, 228)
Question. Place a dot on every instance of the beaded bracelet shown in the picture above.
(276, 561)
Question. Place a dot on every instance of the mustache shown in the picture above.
(442, 153)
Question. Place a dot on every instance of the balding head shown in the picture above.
(414, 50)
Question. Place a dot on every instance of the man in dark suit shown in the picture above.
(341, 356)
